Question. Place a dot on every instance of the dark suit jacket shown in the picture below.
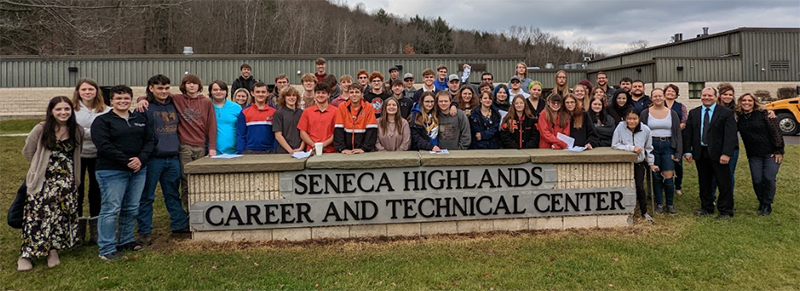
(722, 139)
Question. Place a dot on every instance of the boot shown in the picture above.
(81, 233)
(93, 230)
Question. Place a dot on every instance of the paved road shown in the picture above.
(791, 140)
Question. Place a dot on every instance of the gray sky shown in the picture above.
(609, 24)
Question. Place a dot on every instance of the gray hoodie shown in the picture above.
(624, 139)
(454, 132)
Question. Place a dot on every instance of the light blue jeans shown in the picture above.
(120, 193)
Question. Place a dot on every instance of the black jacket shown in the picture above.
(118, 140)
(722, 137)
(520, 134)
(604, 126)
(241, 82)
(488, 127)
(585, 134)
(419, 136)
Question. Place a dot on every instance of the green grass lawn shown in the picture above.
(680, 252)
(17, 125)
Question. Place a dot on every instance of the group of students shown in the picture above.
(128, 149)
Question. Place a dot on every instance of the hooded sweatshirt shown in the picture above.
(626, 140)
(454, 132)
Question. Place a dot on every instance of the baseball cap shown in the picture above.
(408, 75)
(393, 68)
(453, 77)
(515, 78)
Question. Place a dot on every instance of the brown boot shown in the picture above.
(81, 233)
(93, 230)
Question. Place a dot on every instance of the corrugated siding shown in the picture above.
(548, 77)
(614, 76)
(700, 70)
(53, 72)
(760, 48)
(711, 47)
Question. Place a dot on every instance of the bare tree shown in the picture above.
(637, 45)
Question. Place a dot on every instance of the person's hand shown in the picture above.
(637, 150)
(478, 136)
(141, 106)
(134, 164)
(674, 158)
(453, 111)
(683, 126)
(467, 66)
(654, 168)
(300, 149)
(347, 152)
(358, 151)
(771, 114)
(724, 159)
(588, 146)
(436, 149)
(778, 158)
(212, 153)
(688, 158)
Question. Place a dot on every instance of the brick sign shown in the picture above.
(314, 198)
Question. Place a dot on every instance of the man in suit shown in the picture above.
(710, 139)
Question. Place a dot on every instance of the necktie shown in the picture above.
(706, 126)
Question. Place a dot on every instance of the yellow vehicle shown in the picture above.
(788, 112)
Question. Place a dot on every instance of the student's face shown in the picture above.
(391, 107)
(281, 83)
(428, 80)
(192, 88)
(241, 98)
(519, 105)
(726, 97)
(453, 85)
(321, 67)
(561, 79)
(632, 120)
(218, 93)
(442, 74)
(521, 69)
(321, 97)
(554, 105)
(486, 89)
(515, 85)
(444, 103)
(622, 99)
(707, 97)
(599, 93)
(121, 102)
(657, 97)
(309, 85)
(502, 94)
(291, 99)
(466, 95)
(160, 91)
(363, 80)
(62, 111)
(246, 72)
(637, 89)
(377, 84)
(487, 79)
(428, 102)
(670, 94)
(579, 92)
(346, 83)
(597, 105)
(570, 104)
(87, 92)
(486, 100)
(408, 83)
(260, 94)
(536, 91)
(355, 95)
(625, 86)
(747, 103)
(393, 74)
(602, 80)
(397, 90)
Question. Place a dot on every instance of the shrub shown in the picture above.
(763, 95)
(786, 92)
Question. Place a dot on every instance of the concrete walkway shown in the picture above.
(14, 134)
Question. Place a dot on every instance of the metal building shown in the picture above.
(134, 70)
(739, 55)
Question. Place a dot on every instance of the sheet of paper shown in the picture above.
(575, 149)
(301, 155)
(566, 139)
(225, 156)
(442, 152)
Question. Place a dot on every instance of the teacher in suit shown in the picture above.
(710, 139)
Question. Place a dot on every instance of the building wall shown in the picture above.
(17, 72)
(699, 70)
(762, 47)
(711, 46)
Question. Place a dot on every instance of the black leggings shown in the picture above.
(94, 188)
(639, 172)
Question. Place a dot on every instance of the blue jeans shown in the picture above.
(120, 193)
(167, 171)
(732, 165)
(764, 172)
(662, 151)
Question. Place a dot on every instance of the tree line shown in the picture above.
(103, 27)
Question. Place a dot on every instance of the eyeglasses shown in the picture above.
(364, 77)
(569, 102)
(376, 81)
(486, 79)
(428, 101)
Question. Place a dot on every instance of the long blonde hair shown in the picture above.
(98, 103)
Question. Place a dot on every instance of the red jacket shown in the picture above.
(548, 133)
